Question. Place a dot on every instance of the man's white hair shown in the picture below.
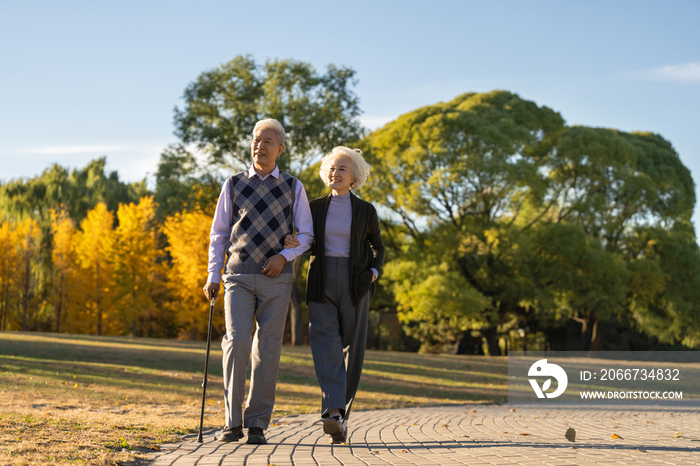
(272, 124)
(358, 166)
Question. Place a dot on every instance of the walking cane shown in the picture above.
(206, 369)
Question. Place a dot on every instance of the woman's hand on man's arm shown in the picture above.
(291, 242)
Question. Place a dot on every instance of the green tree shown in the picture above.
(610, 183)
(76, 192)
(539, 218)
(582, 281)
(183, 184)
(614, 186)
(664, 287)
(465, 173)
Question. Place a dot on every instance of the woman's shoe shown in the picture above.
(333, 425)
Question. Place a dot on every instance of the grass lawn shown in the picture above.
(109, 400)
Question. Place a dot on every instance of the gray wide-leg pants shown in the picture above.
(338, 335)
(250, 298)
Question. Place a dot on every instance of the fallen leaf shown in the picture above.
(524, 434)
(616, 436)
(640, 450)
(512, 410)
(570, 435)
(274, 425)
(404, 451)
(75, 386)
(505, 432)
(473, 410)
(443, 425)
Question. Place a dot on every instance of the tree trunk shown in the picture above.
(595, 336)
(97, 298)
(4, 307)
(133, 313)
(590, 336)
(25, 298)
(295, 305)
(60, 304)
(584, 340)
(491, 335)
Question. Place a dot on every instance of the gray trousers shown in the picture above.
(250, 298)
(338, 335)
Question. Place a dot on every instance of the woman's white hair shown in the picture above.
(272, 124)
(358, 166)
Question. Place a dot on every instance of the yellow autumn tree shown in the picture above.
(135, 262)
(64, 266)
(188, 239)
(9, 260)
(28, 236)
(94, 247)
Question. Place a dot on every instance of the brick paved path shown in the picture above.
(472, 435)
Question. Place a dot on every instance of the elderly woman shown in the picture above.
(346, 258)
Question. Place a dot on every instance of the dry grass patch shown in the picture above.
(70, 399)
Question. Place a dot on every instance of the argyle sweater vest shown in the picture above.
(261, 218)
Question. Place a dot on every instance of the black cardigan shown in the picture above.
(366, 249)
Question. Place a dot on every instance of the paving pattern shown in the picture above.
(476, 435)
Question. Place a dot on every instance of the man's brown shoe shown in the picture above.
(229, 434)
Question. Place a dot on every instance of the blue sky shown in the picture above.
(83, 79)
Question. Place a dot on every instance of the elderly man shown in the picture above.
(257, 208)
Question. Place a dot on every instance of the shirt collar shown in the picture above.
(274, 173)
